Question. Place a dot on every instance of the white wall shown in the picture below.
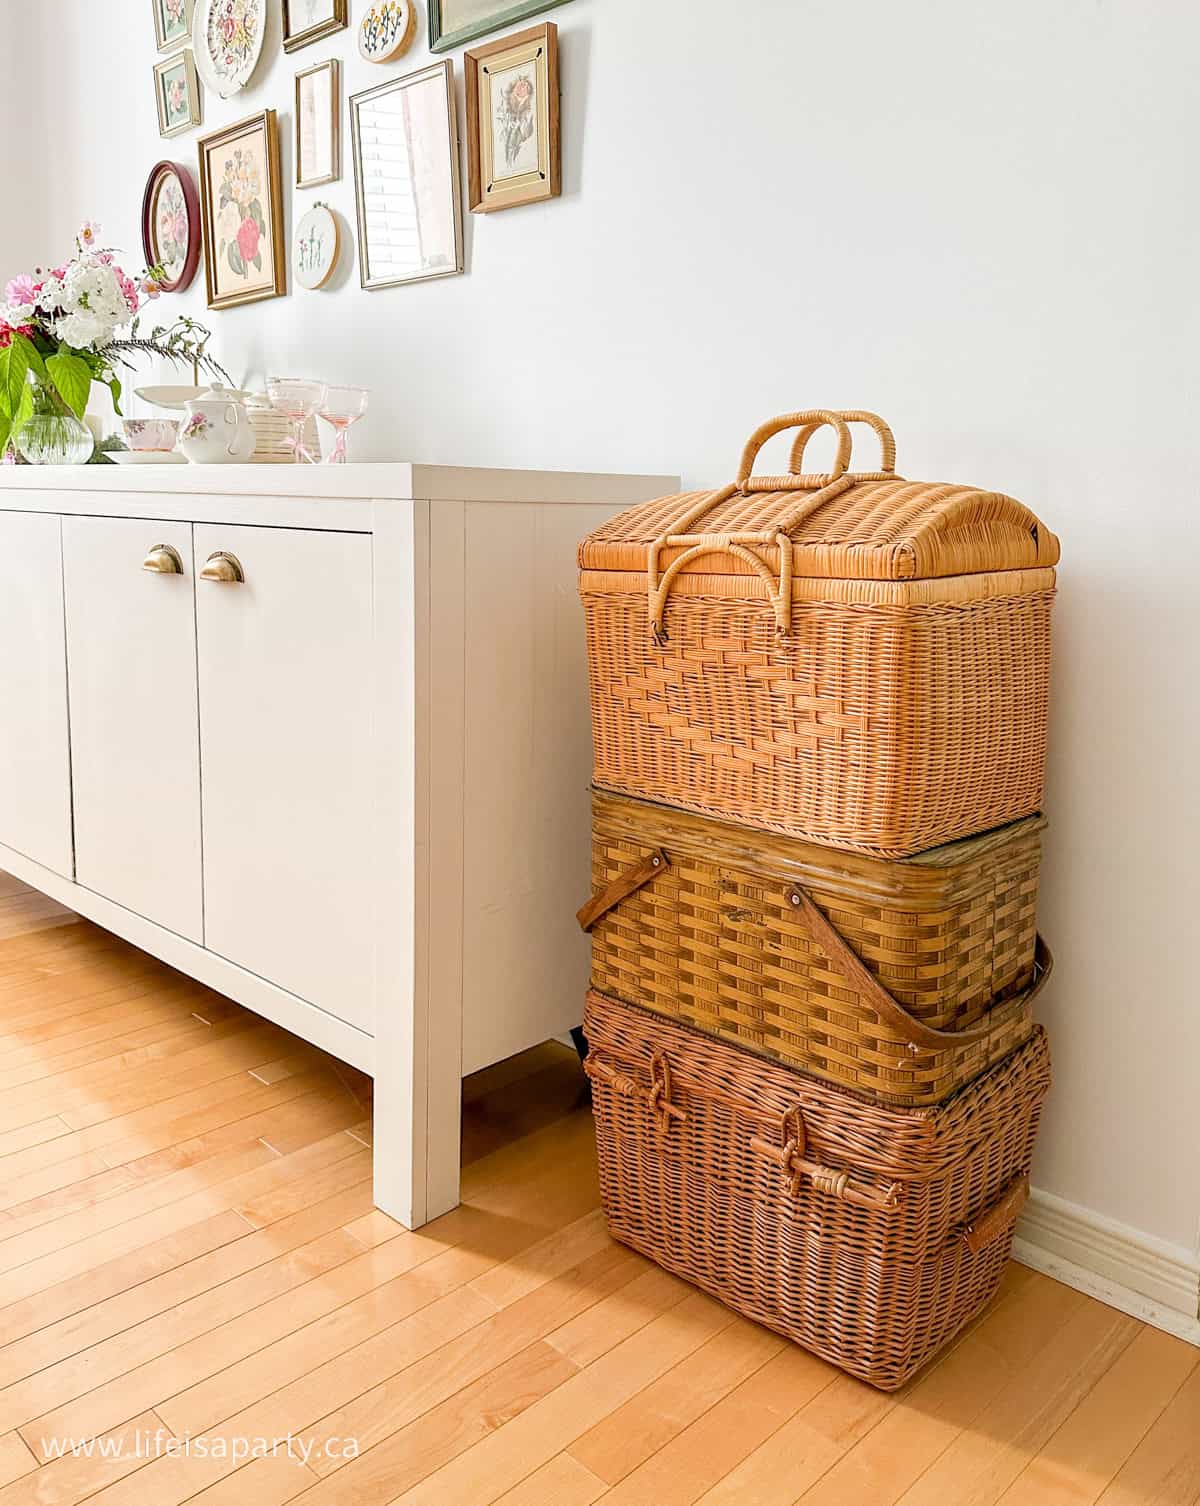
(980, 220)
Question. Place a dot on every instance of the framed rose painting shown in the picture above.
(171, 225)
(172, 22)
(514, 154)
(177, 90)
(241, 209)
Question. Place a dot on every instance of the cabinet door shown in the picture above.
(286, 754)
(131, 654)
(35, 768)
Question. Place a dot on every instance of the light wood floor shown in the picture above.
(188, 1251)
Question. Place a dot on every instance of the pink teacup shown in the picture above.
(151, 433)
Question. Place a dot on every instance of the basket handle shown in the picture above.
(808, 423)
(918, 1035)
(792, 1158)
(657, 1096)
(996, 1220)
(622, 887)
(887, 443)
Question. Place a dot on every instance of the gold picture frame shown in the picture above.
(171, 30)
(296, 36)
(177, 72)
(318, 143)
(514, 146)
(245, 258)
(406, 179)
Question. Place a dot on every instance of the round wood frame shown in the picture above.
(191, 201)
(403, 40)
(314, 287)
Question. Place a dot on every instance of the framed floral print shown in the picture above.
(172, 22)
(514, 154)
(406, 179)
(318, 124)
(453, 22)
(306, 21)
(171, 225)
(241, 210)
(177, 90)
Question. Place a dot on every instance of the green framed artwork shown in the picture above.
(453, 22)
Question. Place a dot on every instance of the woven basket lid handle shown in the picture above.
(887, 442)
(810, 421)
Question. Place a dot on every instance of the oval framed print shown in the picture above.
(315, 247)
(386, 30)
(227, 41)
(171, 234)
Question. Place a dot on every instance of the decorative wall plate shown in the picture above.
(171, 235)
(315, 247)
(227, 39)
(386, 30)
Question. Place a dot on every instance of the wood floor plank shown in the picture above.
(1164, 1469)
(75, 1476)
(561, 1482)
(16, 1459)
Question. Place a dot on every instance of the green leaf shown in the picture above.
(235, 259)
(14, 363)
(73, 378)
(114, 386)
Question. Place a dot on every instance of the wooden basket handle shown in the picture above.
(622, 887)
(887, 444)
(918, 1035)
(808, 422)
(995, 1221)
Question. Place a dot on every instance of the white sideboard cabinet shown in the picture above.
(318, 737)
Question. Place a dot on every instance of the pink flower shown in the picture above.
(151, 288)
(228, 26)
(88, 232)
(105, 258)
(247, 239)
(20, 290)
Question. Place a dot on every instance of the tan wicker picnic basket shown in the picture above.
(868, 1235)
(903, 979)
(847, 657)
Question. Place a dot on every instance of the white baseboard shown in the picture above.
(1133, 1272)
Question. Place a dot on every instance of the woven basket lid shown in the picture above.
(841, 525)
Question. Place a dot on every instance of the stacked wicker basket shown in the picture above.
(819, 706)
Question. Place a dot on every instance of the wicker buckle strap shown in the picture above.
(657, 1096)
(997, 1220)
(792, 1158)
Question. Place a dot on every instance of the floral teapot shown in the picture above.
(218, 430)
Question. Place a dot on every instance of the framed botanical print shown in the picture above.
(241, 210)
(318, 124)
(514, 155)
(177, 90)
(406, 179)
(171, 225)
(306, 21)
(172, 22)
(453, 22)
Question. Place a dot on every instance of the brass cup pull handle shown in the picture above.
(225, 569)
(163, 560)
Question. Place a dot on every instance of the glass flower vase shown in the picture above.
(50, 434)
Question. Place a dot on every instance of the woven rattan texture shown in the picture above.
(877, 728)
(820, 1258)
(715, 941)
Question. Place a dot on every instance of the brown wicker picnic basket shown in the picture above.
(848, 657)
(903, 979)
(868, 1235)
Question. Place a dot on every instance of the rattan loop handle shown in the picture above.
(812, 420)
(887, 441)
(779, 595)
(657, 1096)
(918, 1035)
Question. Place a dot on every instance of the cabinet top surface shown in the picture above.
(87, 488)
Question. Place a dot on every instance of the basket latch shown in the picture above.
(657, 1096)
(792, 1158)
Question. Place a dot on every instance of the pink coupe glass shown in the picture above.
(342, 407)
(299, 400)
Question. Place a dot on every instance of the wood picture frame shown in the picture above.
(407, 190)
(245, 257)
(296, 35)
(318, 145)
(171, 233)
(176, 84)
(447, 31)
(514, 145)
(172, 22)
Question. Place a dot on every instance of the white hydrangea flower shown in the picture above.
(87, 305)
